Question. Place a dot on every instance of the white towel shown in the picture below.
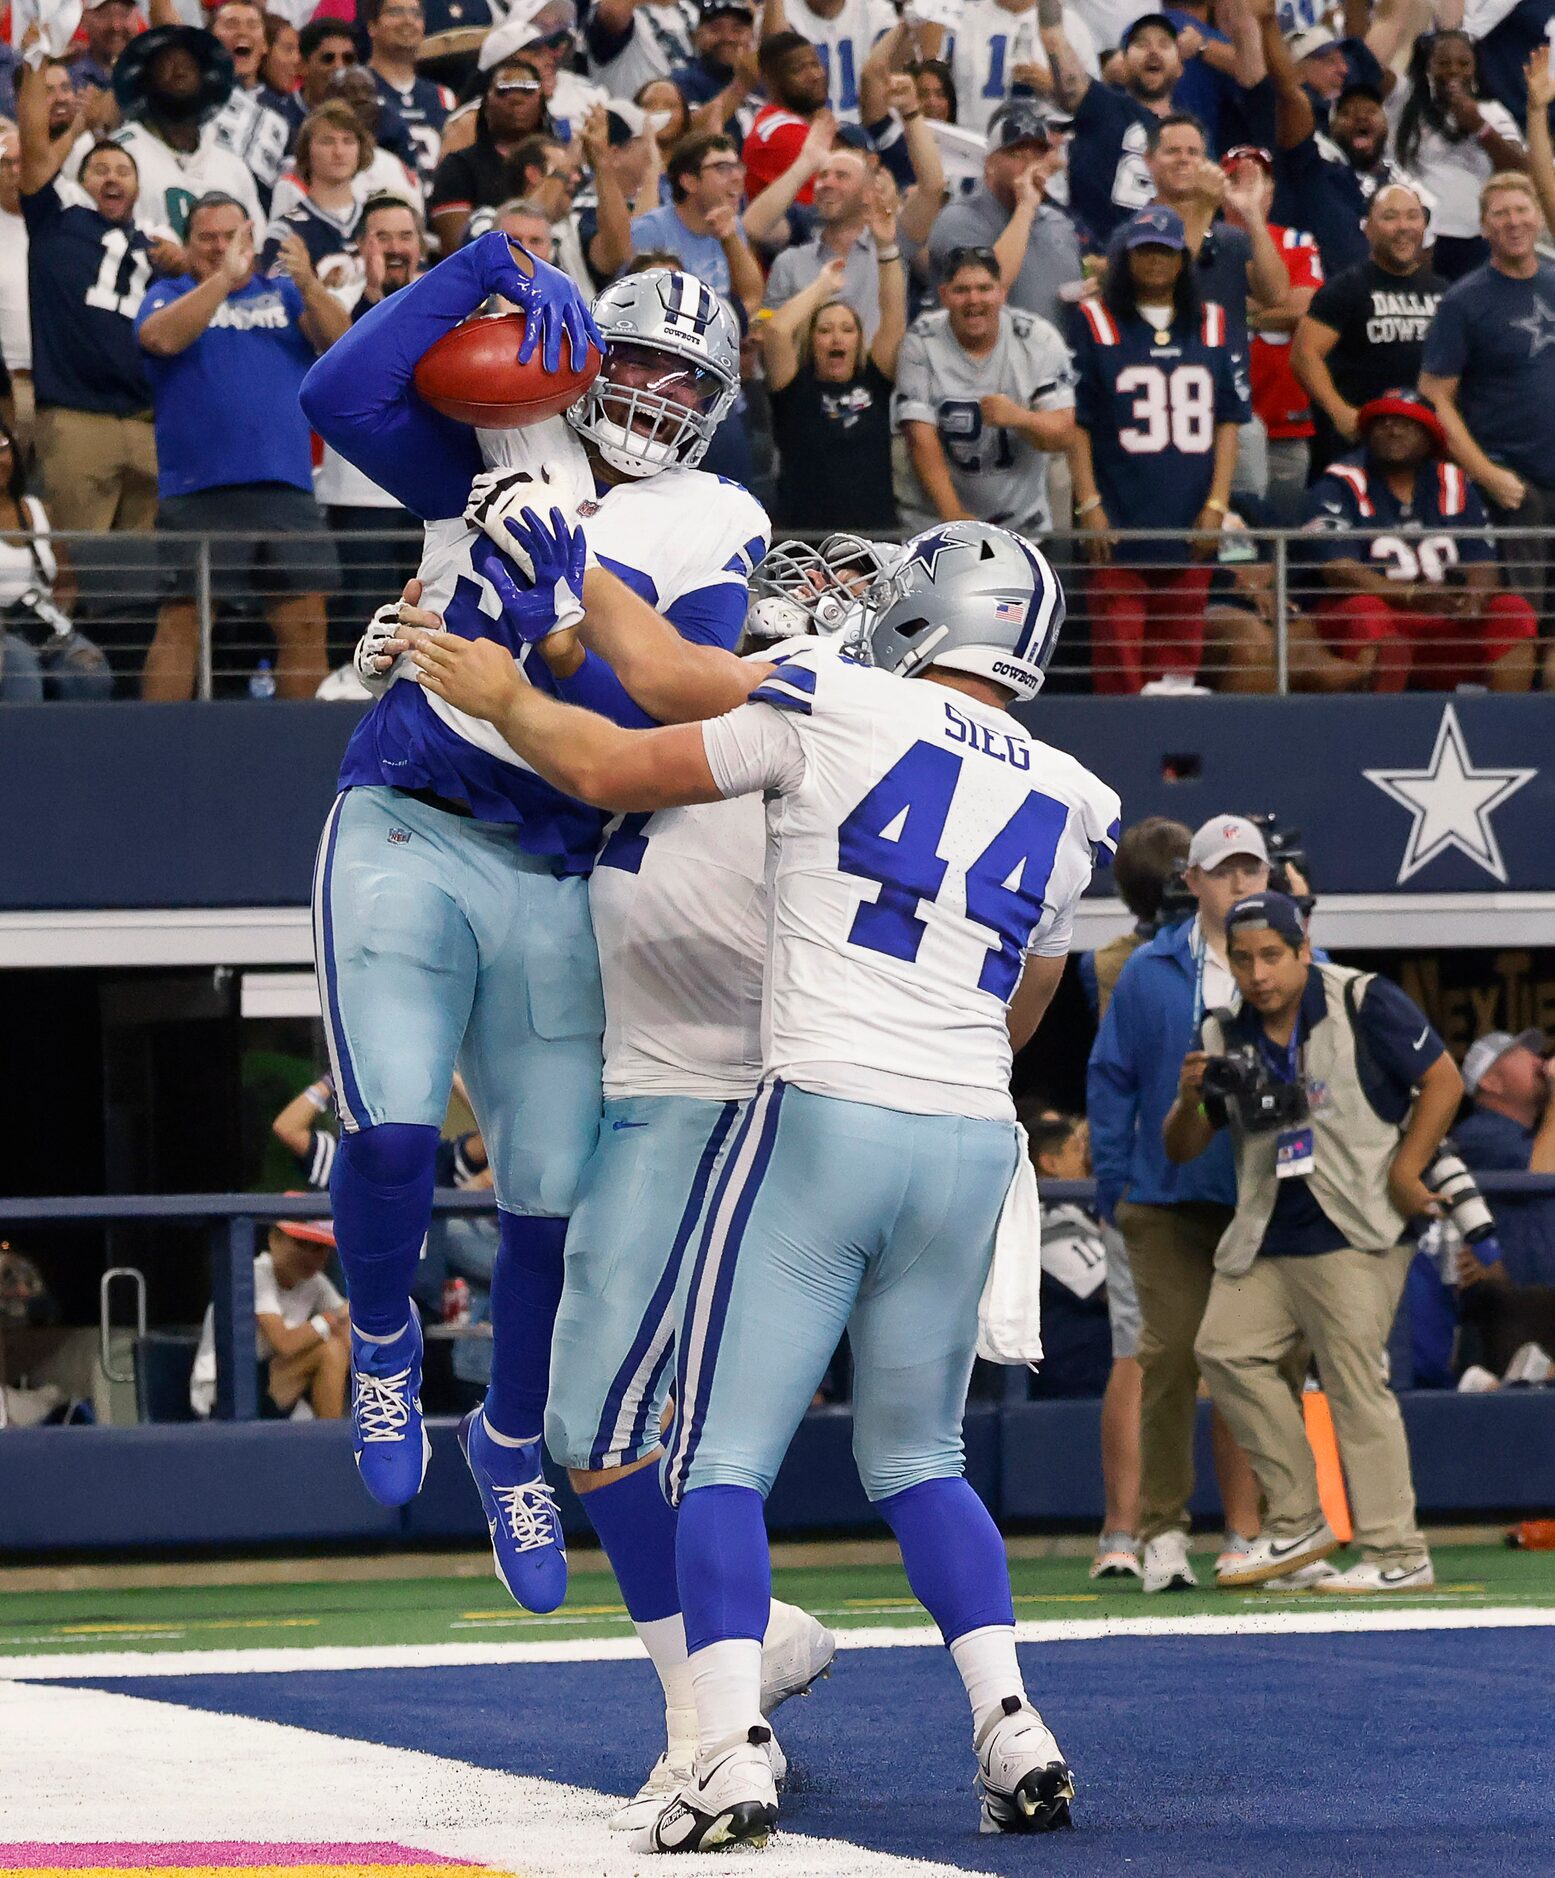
(1009, 1313)
(56, 20)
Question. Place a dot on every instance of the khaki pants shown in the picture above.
(1342, 1304)
(99, 472)
(1171, 1251)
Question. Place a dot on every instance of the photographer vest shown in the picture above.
(1353, 1146)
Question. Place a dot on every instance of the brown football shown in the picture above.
(473, 374)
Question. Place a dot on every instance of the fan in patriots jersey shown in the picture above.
(451, 905)
(1108, 176)
(863, 1185)
(1417, 599)
(1157, 405)
(397, 32)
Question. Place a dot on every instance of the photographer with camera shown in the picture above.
(1172, 1218)
(1335, 1092)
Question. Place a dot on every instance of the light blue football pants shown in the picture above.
(828, 1216)
(439, 941)
(630, 1244)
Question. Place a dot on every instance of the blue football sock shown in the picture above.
(381, 1191)
(636, 1526)
(526, 1287)
(953, 1554)
(723, 1565)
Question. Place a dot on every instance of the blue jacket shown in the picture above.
(1132, 1082)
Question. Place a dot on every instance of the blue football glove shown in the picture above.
(555, 599)
(549, 301)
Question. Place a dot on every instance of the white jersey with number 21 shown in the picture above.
(920, 845)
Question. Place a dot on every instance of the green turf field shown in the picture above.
(464, 1610)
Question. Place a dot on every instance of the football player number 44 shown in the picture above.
(1175, 408)
(893, 836)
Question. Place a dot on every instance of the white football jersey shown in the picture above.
(680, 918)
(677, 533)
(679, 904)
(990, 42)
(844, 43)
(920, 845)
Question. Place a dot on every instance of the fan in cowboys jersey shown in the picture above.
(451, 913)
(925, 855)
(983, 395)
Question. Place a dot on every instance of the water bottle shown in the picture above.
(262, 683)
(456, 1302)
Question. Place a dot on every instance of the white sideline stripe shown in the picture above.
(84, 1765)
(1324, 1621)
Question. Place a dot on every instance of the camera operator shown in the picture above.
(1512, 1129)
(1149, 854)
(1172, 1218)
(1335, 1092)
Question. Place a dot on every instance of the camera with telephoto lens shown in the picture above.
(1242, 1080)
(1465, 1206)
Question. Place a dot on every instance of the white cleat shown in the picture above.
(666, 1780)
(729, 1801)
(1166, 1564)
(1025, 1782)
(795, 1653)
(1371, 1578)
(1274, 1555)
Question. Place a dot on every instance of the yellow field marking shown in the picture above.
(197, 1623)
(572, 1611)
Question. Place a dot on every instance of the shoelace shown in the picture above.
(382, 1405)
(530, 1512)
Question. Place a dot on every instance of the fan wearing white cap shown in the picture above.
(1511, 1081)
(546, 32)
(1227, 858)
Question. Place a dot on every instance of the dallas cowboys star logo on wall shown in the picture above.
(1451, 802)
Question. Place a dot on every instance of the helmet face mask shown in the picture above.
(968, 597)
(817, 590)
(671, 373)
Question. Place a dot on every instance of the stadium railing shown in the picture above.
(233, 1222)
(1258, 629)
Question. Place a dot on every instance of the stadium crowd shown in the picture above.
(1202, 271)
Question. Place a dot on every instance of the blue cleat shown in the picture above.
(388, 1435)
(521, 1515)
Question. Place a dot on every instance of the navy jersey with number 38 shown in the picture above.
(1150, 401)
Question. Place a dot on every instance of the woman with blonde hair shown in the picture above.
(831, 395)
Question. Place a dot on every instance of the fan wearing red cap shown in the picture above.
(1279, 401)
(301, 1341)
(1416, 598)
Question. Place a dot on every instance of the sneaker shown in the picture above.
(1166, 1564)
(1530, 1366)
(521, 1515)
(388, 1436)
(1117, 1556)
(796, 1652)
(1477, 1380)
(1233, 1547)
(1303, 1578)
(1025, 1783)
(730, 1799)
(1371, 1576)
(669, 1775)
(1277, 1554)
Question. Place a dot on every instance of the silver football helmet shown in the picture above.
(671, 372)
(802, 589)
(970, 597)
